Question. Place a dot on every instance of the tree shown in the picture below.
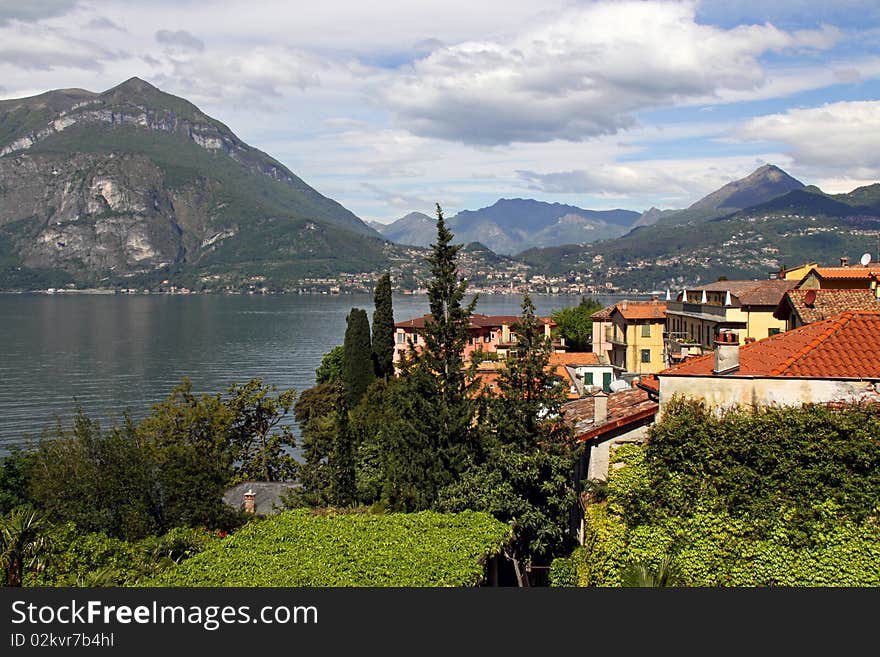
(383, 328)
(259, 441)
(357, 371)
(332, 364)
(189, 438)
(526, 479)
(23, 544)
(433, 440)
(575, 324)
(104, 481)
(342, 461)
(317, 412)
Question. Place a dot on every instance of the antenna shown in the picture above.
(866, 258)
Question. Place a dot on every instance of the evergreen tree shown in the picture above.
(383, 329)
(357, 371)
(332, 364)
(317, 411)
(526, 479)
(342, 464)
(434, 441)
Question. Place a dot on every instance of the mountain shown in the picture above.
(137, 185)
(513, 225)
(763, 184)
(801, 225)
(416, 229)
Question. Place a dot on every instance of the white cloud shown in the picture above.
(179, 40)
(834, 139)
(585, 73)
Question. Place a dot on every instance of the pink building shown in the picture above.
(602, 331)
(488, 333)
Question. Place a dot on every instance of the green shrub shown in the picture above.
(303, 549)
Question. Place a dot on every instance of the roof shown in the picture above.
(477, 321)
(761, 292)
(847, 272)
(632, 310)
(575, 358)
(627, 407)
(605, 313)
(846, 346)
(826, 303)
(267, 495)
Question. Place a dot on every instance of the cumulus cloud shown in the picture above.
(33, 10)
(842, 136)
(36, 47)
(103, 23)
(181, 39)
(584, 74)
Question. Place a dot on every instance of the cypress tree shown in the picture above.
(383, 328)
(357, 371)
(438, 442)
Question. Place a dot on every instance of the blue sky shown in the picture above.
(393, 105)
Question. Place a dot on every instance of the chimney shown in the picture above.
(623, 304)
(600, 407)
(249, 505)
(726, 353)
(844, 260)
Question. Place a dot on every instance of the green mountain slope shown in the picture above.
(136, 185)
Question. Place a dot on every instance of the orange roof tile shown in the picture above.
(843, 346)
(641, 309)
(575, 358)
(847, 272)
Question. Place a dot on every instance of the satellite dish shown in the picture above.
(866, 258)
(618, 385)
(810, 298)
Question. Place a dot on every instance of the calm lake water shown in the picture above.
(111, 353)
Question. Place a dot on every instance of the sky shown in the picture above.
(392, 106)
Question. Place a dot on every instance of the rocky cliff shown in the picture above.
(133, 181)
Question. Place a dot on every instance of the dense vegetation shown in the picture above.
(777, 496)
(575, 324)
(304, 549)
(432, 439)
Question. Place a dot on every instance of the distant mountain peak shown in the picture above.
(135, 84)
(764, 183)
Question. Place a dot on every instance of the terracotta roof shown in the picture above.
(847, 272)
(477, 321)
(761, 292)
(605, 313)
(575, 358)
(641, 309)
(826, 303)
(844, 346)
(626, 407)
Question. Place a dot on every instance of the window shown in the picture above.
(486, 338)
(400, 337)
(646, 330)
(773, 331)
(588, 378)
(646, 355)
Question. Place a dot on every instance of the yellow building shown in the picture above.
(842, 278)
(698, 314)
(636, 336)
(796, 273)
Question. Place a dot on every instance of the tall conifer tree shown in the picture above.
(383, 328)
(357, 372)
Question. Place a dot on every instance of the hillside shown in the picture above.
(416, 229)
(801, 225)
(134, 185)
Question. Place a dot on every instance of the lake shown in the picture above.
(111, 353)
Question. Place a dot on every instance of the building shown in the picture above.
(805, 306)
(488, 333)
(795, 273)
(697, 315)
(831, 360)
(602, 331)
(582, 373)
(842, 278)
(636, 336)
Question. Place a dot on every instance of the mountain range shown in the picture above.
(513, 225)
(133, 186)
